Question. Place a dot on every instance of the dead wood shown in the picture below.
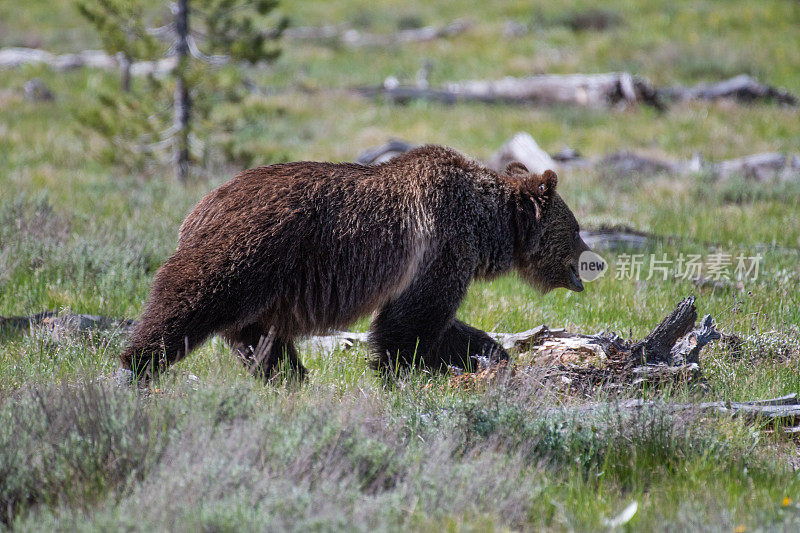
(687, 350)
(582, 363)
(64, 325)
(629, 163)
(589, 90)
(15, 57)
(24, 323)
(783, 411)
(523, 149)
(760, 167)
(742, 88)
(657, 346)
(557, 346)
(337, 340)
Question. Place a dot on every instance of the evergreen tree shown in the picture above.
(201, 37)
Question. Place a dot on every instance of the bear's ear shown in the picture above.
(538, 190)
(515, 168)
(541, 187)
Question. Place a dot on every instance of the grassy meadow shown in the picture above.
(211, 449)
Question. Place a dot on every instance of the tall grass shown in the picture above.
(89, 455)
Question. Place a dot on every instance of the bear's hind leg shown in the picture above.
(262, 352)
(158, 342)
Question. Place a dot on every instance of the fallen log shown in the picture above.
(628, 163)
(742, 88)
(783, 411)
(523, 149)
(760, 167)
(658, 343)
(588, 90)
(583, 363)
(24, 323)
(591, 90)
(15, 57)
(61, 326)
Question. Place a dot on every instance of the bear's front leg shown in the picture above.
(411, 329)
(461, 345)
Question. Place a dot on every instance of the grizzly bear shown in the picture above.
(295, 249)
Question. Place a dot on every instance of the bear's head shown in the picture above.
(548, 243)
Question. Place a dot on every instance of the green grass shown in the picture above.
(222, 452)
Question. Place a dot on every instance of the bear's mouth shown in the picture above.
(575, 283)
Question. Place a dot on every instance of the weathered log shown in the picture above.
(742, 88)
(589, 90)
(668, 349)
(758, 166)
(657, 346)
(761, 167)
(63, 325)
(629, 163)
(581, 363)
(522, 148)
(342, 340)
(402, 94)
(15, 57)
(23, 323)
(687, 350)
(783, 411)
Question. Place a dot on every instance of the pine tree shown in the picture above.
(200, 36)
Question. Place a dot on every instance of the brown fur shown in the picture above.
(300, 248)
